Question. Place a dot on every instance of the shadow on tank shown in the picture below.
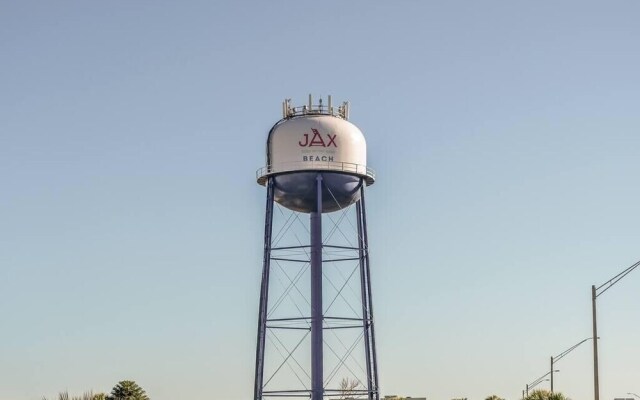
(296, 190)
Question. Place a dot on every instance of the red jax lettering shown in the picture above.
(317, 140)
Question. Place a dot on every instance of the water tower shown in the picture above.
(315, 324)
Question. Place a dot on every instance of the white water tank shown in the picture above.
(316, 139)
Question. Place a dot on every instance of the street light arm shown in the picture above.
(538, 380)
(608, 284)
(569, 350)
(541, 379)
(537, 383)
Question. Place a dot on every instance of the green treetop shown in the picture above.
(546, 395)
(127, 390)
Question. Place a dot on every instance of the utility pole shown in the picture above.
(551, 374)
(596, 383)
(595, 292)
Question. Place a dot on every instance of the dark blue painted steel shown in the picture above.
(297, 190)
(328, 192)
(264, 294)
(374, 392)
(317, 317)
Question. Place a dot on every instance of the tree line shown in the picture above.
(124, 390)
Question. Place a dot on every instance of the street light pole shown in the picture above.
(596, 382)
(551, 369)
(595, 292)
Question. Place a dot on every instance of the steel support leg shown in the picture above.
(317, 376)
(264, 294)
(365, 307)
(372, 365)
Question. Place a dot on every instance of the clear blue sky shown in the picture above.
(505, 136)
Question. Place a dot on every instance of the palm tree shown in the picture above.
(546, 395)
(494, 397)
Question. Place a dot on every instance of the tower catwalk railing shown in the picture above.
(312, 261)
(349, 168)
